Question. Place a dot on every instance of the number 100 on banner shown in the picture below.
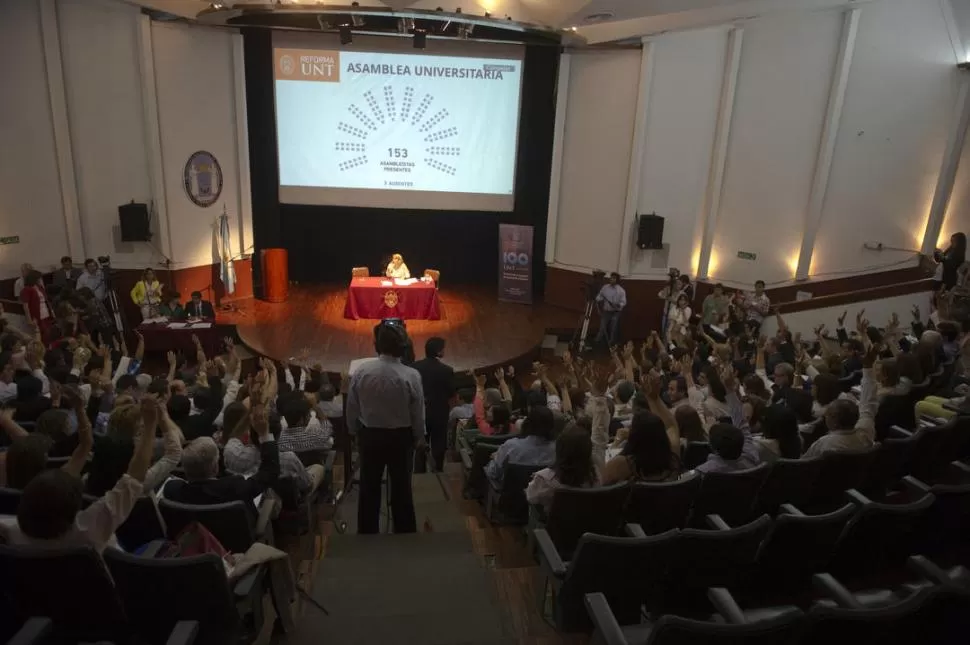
(515, 263)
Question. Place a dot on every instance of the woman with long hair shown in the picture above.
(573, 467)
(647, 455)
(779, 428)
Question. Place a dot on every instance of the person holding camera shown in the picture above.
(385, 409)
(611, 301)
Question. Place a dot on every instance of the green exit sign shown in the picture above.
(744, 255)
(10, 239)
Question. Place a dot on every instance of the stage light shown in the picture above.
(346, 36)
(420, 38)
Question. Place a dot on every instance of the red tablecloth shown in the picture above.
(159, 337)
(368, 298)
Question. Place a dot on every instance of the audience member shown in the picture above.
(534, 447)
(50, 513)
(573, 467)
(438, 381)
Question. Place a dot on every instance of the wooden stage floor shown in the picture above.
(479, 330)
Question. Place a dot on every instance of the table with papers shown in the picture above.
(413, 299)
(163, 336)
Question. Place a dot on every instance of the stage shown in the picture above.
(481, 332)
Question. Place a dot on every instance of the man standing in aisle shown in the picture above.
(385, 409)
(437, 379)
(611, 301)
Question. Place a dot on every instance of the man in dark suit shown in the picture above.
(66, 276)
(437, 380)
(199, 308)
(200, 460)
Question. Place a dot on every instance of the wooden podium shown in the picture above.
(276, 280)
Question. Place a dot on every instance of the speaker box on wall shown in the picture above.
(650, 231)
(134, 223)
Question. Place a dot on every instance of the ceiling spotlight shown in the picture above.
(346, 36)
(420, 38)
(464, 31)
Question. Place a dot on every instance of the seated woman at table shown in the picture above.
(397, 268)
(172, 307)
(147, 294)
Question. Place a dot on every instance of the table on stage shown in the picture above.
(380, 298)
(163, 337)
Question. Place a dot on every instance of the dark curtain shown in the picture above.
(324, 242)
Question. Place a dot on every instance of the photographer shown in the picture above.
(611, 301)
(385, 409)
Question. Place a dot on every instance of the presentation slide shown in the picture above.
(397, 130)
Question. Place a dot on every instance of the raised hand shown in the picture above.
(480, 380)
(260, 420)
(650, 382)
(196, 341)
(915, 312)
(499, 375)
(842, 318)
(729, 379)
(871, 355)
(171, 358)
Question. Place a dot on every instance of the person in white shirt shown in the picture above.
(18, 284)
(679, 320)
(397, 269)
(93, 279)
(8, 389)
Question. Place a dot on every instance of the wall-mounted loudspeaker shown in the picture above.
(650, 231)
(134, 222)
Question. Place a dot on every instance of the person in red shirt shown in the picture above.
(36, 304)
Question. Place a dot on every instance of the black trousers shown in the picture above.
(437, 439)
(381, 448)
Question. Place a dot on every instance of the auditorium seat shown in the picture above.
(157, 593)
(360, 272)
(946, 528)
(629, 571)
(38, 631)
(782, 628)
(790, 481)
(143, 525)
(68, 585)
(507, 505)
(840, 472)
(797, 546)
(888, 467)
(730, 495)
(660, 506)
(927, 454)
(434, 274)
(576, 511)
(476, 483)
(879, 537)
(230, 523)
(718, 557)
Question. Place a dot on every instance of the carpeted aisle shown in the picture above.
(429, 588)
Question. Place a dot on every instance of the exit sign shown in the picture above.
(11, 239)
(745, 255)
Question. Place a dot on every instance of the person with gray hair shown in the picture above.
(850, 426)
(200, 460)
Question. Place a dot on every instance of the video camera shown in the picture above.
(593, 284)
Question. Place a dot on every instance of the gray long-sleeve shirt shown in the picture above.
(386, 394)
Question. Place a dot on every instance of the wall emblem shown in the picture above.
(391, 299)
(202, 178)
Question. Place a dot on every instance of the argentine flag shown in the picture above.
(226, 271)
